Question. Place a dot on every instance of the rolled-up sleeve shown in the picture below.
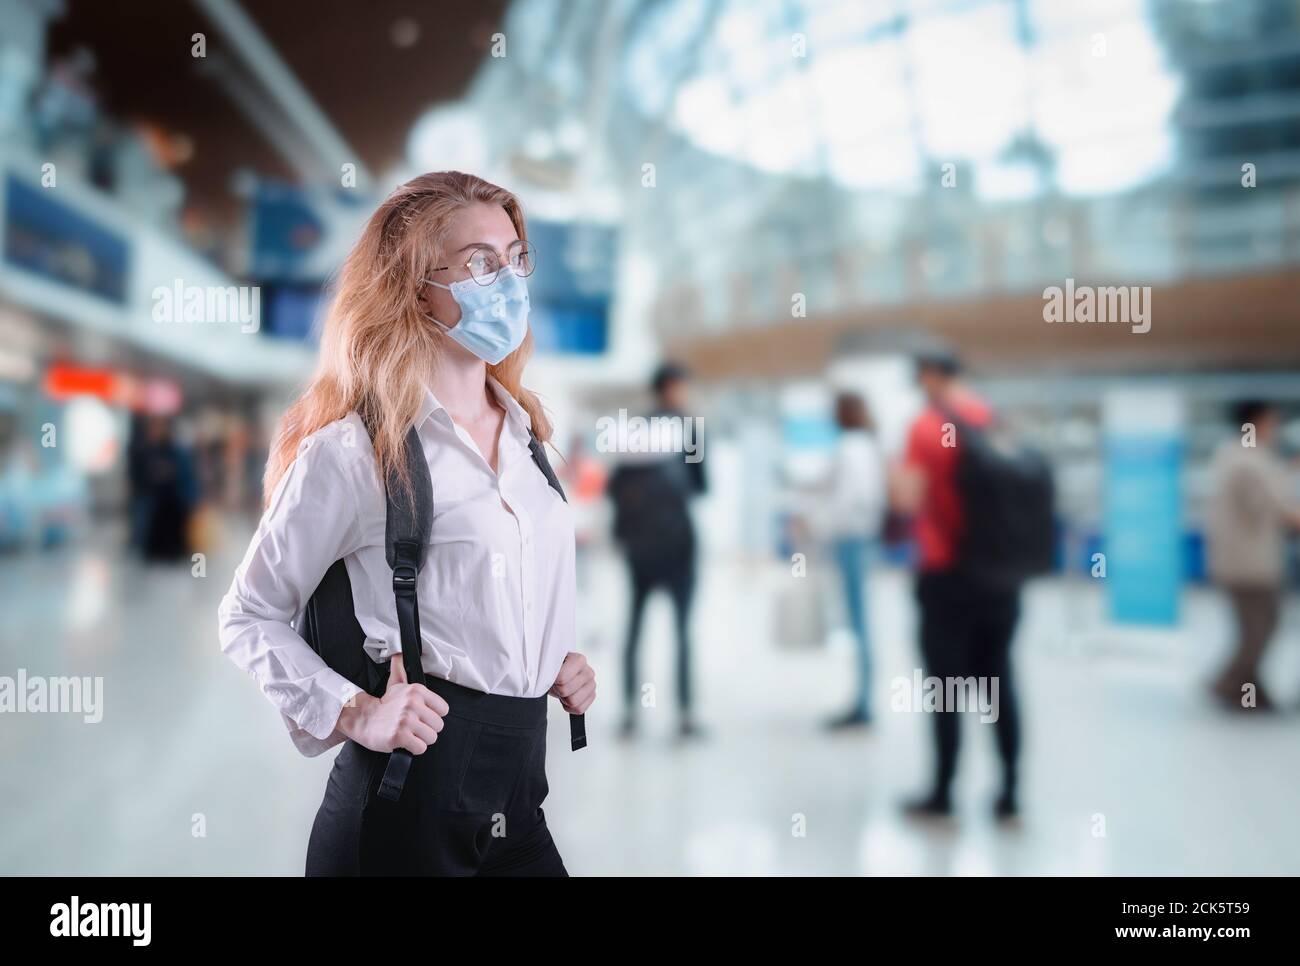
(310, 523)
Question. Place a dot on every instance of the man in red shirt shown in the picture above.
(966, 626)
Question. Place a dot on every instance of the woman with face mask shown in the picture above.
(427, 331)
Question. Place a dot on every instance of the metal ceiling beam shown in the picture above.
(285, 90)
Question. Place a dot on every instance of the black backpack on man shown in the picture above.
(1008, 508)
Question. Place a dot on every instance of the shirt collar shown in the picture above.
(516, 415)
(428, 406)
(514, 412)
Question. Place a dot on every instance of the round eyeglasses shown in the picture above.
(484, 263)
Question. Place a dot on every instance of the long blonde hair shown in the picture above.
(376, 345)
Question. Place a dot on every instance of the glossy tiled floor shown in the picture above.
(1118, 740)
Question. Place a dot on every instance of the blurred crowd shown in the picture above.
(974, 525)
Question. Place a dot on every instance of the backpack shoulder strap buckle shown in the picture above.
(406, 567)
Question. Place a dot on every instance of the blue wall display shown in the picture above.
(286, 230)
(1144, 542)
(289, 311)
(52, 239)
(570, 292)
(814, 431)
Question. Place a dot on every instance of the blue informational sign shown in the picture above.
(1143, 522)
(808, 431)
(56, 241)
(570, 292)
(286, 231)
(289, 311)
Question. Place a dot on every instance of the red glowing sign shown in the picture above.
(156, 396)
(63, 382)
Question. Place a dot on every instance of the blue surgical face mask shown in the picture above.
(493, 317)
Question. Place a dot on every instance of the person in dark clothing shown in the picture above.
(167, 476)
(966, 630)
(653, 527)
(137, 466)
(966, 625)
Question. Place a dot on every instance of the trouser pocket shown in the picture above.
(413, 835)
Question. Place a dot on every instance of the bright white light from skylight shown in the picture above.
(872, 106)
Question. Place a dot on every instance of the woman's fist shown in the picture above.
(407, 716)
(575, 685)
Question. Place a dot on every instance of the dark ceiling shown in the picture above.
(342, 51)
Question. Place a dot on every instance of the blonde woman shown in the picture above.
(428, 330)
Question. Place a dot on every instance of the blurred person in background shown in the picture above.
(584, 479)
(427, 334)
(65, 112)
(653, 527)
(966, 625)
(237, 456)
(167, 489)
(136, 483)
(848, 518)
(1250, 512)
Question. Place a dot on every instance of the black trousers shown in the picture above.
(472, 804)
(675, 574)
(966, 629)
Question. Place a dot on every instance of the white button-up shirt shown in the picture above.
(496, 592)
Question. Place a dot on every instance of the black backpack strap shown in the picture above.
(577, 722)
(407, 528)
(536, 447)
(406, 535)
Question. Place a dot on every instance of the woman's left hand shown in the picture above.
(575, 685)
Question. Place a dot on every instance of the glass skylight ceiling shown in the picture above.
(1028, 92)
